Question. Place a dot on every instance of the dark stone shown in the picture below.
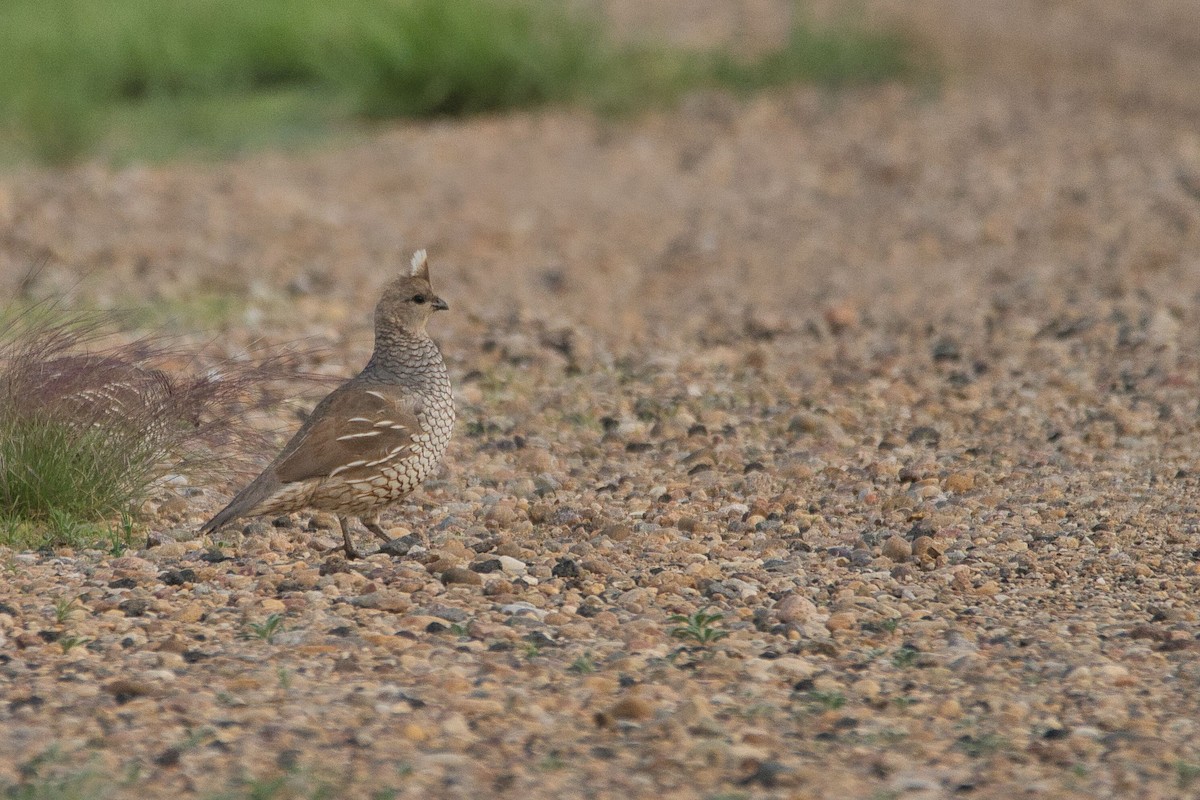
(925, 435)
(287, 759)
(861, 558)
(32, 701)
(766, 774)
(762, 621)
(122, 583)
(946, 349)
(333, 566)
(539, 639)
(448, 613)
(487, 567)
(134, 608)
(168, 757)
(566, 568)
(564, 516)
(400, 546)
(1175, 645)
(922, 528)
(178, 577)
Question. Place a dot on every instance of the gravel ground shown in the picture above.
(901, 383)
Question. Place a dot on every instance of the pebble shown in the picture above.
(793, 667)
(192, 612)
(523, 608)
(960, 482)
(897, 549)
(383, 600)
(461, 575)
(513, 566)
(630, 707)
(841, 621)
(126, 689)
(795, 609)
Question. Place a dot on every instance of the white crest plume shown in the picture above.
(418, 262)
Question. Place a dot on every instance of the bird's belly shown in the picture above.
(355, 494)
(362, 489)
(290, 497)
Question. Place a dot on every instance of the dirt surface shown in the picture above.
(903, 383)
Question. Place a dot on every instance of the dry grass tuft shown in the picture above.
(89, 427)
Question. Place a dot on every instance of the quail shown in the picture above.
(376, 437)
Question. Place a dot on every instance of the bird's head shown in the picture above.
(408, 301)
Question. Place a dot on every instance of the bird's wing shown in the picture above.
(355, 429)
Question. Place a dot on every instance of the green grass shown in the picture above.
(268, 628)
(87, 430)
(905, 657)
(196, 311)
(829, 701)
(78, 786)
(45, 777)
(583, 665)
(700, 627)
(53, 776)
(838, 56)
(1186, 774)
(428, 58)
(53, 472)
(981, 746)
(145, 79)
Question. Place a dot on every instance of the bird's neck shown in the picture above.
(408, 357)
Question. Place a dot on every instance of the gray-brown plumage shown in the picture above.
(376, 437)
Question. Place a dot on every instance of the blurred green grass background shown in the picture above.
(130, 79)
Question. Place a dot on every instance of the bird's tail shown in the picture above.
(224, 516)
(243, 504)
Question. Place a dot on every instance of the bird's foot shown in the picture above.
(348, 544)
(374, 527)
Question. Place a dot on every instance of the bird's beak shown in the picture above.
(440, 305)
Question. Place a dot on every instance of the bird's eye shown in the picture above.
(418, 298)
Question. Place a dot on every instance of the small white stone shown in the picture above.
(512, 566)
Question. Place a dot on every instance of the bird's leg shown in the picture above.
(372, 524)
(349, 545)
